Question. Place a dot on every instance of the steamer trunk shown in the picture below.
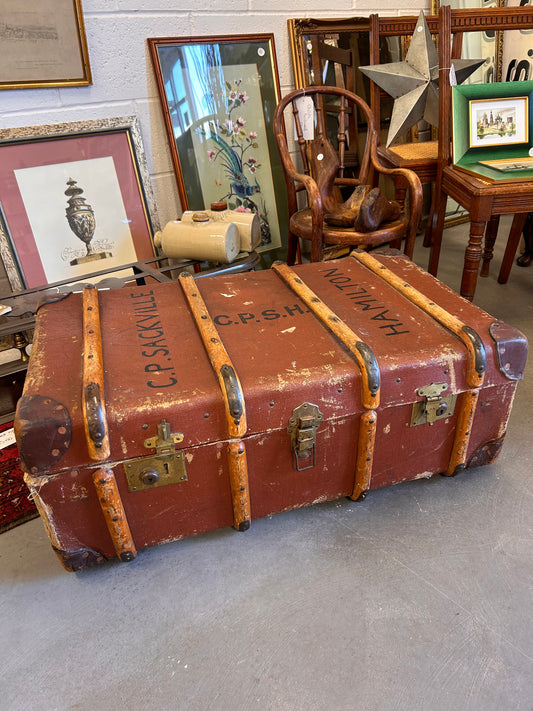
(215, 402)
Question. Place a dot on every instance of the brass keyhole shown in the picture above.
(442, 408)
(149, 476)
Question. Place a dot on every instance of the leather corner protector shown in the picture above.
(43, 431)
(79, 559)
(511, 349)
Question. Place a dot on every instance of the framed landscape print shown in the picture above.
(75, 198)
(218, 96)
(498, 122)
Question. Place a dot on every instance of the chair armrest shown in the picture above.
(414, 190)
(306, 181)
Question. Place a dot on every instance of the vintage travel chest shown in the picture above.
(158, 412)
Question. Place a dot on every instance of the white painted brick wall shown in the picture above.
(123, 82)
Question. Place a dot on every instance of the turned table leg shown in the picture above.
(472, 260)
(488, 248)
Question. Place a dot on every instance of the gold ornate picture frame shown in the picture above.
(305, 35)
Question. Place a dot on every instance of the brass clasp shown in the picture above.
(303, 426)
(167, 466)
(434, 407)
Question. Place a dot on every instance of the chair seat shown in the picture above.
(419, 150)
(301, 224)
(421, 157)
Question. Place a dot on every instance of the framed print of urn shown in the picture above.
(73, 194)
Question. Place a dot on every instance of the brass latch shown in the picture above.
(434, 407)
(302, 428)
(166, 467)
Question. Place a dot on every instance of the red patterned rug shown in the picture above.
(15, 505)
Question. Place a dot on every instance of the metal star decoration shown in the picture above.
(414, 83)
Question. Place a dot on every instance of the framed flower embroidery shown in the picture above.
(218, 96)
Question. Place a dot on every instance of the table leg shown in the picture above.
(488, 248)
(525, 259)
(437, 228)
(512, 245)
(472, 260)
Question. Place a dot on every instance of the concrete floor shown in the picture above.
(418, 598)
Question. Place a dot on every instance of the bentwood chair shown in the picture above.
(328, 216)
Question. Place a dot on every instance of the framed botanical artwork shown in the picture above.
(498, 122)
(75, 198)
(218, 96)
(43, 44)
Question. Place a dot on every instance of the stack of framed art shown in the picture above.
(492, 130)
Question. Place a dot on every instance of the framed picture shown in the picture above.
(509, 165)
(308, 36)
(43, 44)
(218, 96)
(75, 198)
(498, 122)
(7, 255)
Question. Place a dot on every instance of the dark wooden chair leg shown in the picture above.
(437, 228)
(525, 259)
(396, 244)
(519, 222)
(488, 248)
(472, 260)
(293, 247)
(400, 193)
(431, 219)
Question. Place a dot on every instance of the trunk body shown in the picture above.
(236, 397)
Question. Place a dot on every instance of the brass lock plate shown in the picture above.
(303, 426)
(152, 472)
(166, 466)
(434, 407)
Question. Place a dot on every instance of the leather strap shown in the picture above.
(232, 393)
